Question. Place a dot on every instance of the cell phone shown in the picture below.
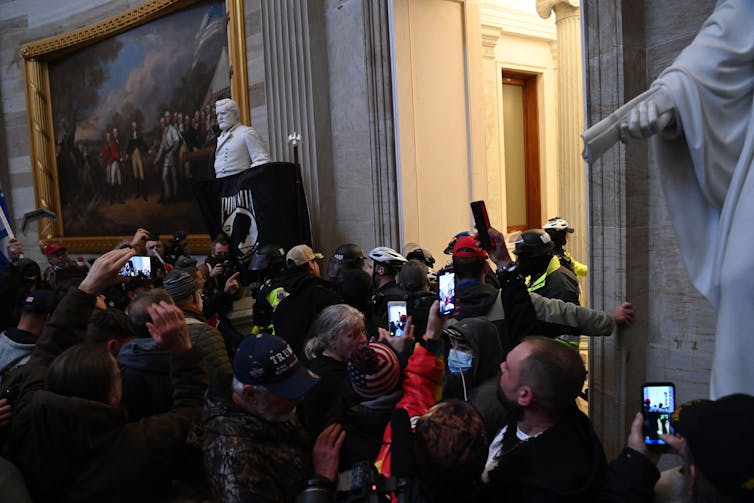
(658, 404)
(137, 267)
(396, 317)
(482, 223)
(446, 293)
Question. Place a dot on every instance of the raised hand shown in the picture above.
(403, 343)
(231, 285)
(435, 323)
(104, 271)
(168, 327)
(499, 255)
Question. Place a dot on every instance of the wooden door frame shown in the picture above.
(528, 81)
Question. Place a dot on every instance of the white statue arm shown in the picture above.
(647, 114)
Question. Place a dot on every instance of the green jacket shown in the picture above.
(211, 345)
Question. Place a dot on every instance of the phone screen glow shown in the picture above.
(658, 406)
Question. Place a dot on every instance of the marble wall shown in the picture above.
(633, 248)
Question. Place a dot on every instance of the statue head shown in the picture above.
(228, 113)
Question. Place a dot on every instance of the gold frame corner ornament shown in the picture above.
(36, 57)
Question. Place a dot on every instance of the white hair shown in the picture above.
(331, 322)
(229, 105)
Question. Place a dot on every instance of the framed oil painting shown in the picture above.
(114, 109)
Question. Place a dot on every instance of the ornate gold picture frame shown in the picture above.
(84, 193)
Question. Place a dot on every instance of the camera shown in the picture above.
(10, 393)
(228, 265)
(361, 483)
(176, 247)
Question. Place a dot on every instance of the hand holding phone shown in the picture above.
(447, 293)
(658, 404)
(137, 267)
(482, 223)
(396, 317)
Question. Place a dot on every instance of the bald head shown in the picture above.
(554, 372)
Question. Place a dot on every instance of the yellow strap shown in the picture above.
(553, 266)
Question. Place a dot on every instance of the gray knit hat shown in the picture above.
(179, 284)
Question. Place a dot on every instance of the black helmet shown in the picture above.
(348, 254)
(422, 255)
(534, 243)
(449, 249)
(269, 258)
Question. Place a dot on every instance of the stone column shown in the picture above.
(495, 197)
(381, 127)
(298, 97)
(571, 168)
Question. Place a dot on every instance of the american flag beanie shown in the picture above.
(374, 370)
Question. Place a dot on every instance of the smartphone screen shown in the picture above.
(482, 223)
(137, 267)
(658, 404)
(396, 317)
(447, 293)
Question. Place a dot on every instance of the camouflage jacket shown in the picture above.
(250, 459)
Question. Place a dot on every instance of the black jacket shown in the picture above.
(565, 463)
(145, 373)
(307, 296)
(631, 479)
(326, 401)
(365, 424)
(384, 294)
(474, 298)
(561, 284)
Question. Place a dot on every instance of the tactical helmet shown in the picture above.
(348, 254)
(449, 249)
(534, 243)
(270, 257)
(422, 255)
(387, 256)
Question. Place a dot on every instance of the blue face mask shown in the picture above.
(459, 361)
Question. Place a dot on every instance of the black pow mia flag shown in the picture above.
(262, 205)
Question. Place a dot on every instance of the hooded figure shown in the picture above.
(475, 353)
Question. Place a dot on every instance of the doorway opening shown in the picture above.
(521, 145)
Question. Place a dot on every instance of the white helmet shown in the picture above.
(388, 256)
(557, 224)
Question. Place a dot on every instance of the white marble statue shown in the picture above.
(706, 173)
(239, 147)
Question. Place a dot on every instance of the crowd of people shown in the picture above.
(134, 163)
(123, 388)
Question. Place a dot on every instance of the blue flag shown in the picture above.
(4, 234)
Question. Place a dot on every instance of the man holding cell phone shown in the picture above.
(715, 442)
